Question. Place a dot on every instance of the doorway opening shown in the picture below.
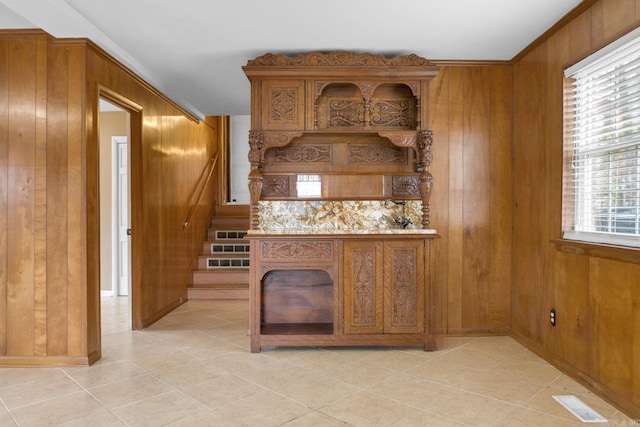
(115, 216)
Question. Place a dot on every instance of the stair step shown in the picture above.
(240, 248)
(213, 262)
(224, 235)
(230, 223)
(220, 276)
(222, 291)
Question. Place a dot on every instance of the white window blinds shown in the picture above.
(601, 198)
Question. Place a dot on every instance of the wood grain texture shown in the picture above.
(49, 232)
(470, 113)
(4, 189)
(595, 298)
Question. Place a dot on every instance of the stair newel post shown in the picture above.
(424, 156)
(256, 158)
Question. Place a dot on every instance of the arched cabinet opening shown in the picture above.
(297, 301)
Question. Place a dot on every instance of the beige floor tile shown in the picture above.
(221, 390)
(101, 374)
(129, 390)
(209, 419)
(65, 409)
(315, 391)
(360, 374)
(446, 401)
(264, 409)
(160, 410)
(5, 418)
(189, 373)
(522, 417)
(396, 360)
(472, 359)
(315, 419)
(44, 388)
(366, 409)
(511, 381)
(441, 371)
(14, 376)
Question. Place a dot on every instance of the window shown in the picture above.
(601, 198)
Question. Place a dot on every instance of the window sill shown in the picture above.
(616, 253)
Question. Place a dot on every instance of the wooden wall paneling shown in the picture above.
(4, 188)
(521, 147)
(557, 56)
(573, 326)
(76, 203)
(475, 166)
(57, 202)
(612, 307)
(580, 39)
(21, 177)
(501, 198)
(40, 201)
(456, 199)
(617, 15)
(439, 124)
(597, 25)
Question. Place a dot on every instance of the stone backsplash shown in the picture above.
(335, 215)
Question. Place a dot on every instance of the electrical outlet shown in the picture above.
(552, 317)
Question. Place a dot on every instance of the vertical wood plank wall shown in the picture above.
(49, 290)
(597, 337)
(470, 115)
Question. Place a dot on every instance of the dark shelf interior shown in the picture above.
(296, 329)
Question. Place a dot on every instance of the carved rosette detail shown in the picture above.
(404, 288)
(363, 153)
(283, 105)
(405, 186)
(303, 154)
(364, 305)
(345, 59)
(276, 186)
(297, 250)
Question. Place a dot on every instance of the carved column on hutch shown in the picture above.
(424, 156)
(256, 158)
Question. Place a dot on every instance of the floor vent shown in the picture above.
(580, 409)
(230, 234)
(227, 263)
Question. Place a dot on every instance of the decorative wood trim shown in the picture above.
(338, 59)
(616, 253)
(566, 19)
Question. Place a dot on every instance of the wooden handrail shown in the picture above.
(192, 209)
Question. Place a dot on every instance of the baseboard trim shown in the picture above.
(620, 402)
(43, 361)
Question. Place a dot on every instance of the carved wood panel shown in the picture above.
(363, 289)
(403, 187)
(276, 186)
(404, 287)
(312, 153)
(297, 250)
(377, 154)
(283, 105)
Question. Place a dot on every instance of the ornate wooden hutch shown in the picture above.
(339, 127)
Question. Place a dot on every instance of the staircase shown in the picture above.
(222, 269)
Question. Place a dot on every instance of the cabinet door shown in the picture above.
(404, 286)
(283, 105)
(363, 287)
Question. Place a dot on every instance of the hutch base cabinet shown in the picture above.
(340, 290)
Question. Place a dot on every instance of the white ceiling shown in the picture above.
(193, 50)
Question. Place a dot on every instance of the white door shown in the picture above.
(122, 215)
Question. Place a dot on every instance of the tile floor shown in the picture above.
(193, 368)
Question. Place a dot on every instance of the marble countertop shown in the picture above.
(393, 231)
